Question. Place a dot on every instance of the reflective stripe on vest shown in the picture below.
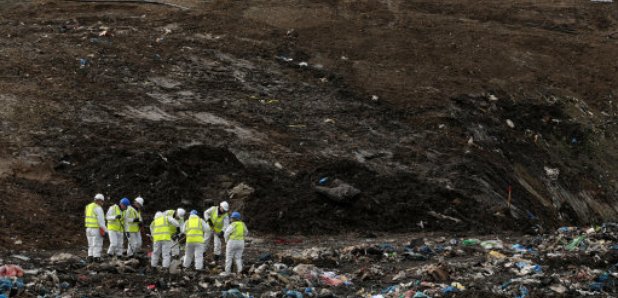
(132, 227)
(194, 230)
(238, 231)
(115, 224)
(160, 229)
(91, 220)
(217, 220)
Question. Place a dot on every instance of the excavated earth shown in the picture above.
(431, 109)
(429, 112)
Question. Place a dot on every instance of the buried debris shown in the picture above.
(338, 191)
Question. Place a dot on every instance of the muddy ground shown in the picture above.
(430, 109)
(391, 265)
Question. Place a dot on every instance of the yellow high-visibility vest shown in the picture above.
(161, 230)
(91, 220)
(173, 228)
(115, 224)
(194, 230)
(217, 220)
(238, 231)
(132, 227)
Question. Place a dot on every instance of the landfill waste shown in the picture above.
(10, 287)
(64, 257)
(571, 261)
(21, 257)
(11, 271)
(470, 242)
(492, 244)
(234, 293)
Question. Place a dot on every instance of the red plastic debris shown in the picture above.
(11, 271)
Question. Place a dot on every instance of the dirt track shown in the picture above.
(181, 106)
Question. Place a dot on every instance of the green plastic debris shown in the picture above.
(470, 242)
(575, 243)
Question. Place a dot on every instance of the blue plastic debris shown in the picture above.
(390, 289)
(449, 289)
(522, 248)
(294, 294)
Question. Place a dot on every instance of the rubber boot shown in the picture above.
(89, 259)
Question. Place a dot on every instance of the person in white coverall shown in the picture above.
(115, 227)
(95, 228)
(194, 228)
(162, 239)
(179, 215)
(235, 243)
(133, 222)
(217, 220)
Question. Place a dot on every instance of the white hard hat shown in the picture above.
(140, 201)
(225, 206)
(158, 214)
(99, 197)
(180, 212)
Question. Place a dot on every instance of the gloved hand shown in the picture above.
(102, 232)
(175, 237)
(210, 223)
(118, 216)
(128, 235)
(220, 234)
(136, 220)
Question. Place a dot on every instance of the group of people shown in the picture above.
(167, 230)
(123, 221)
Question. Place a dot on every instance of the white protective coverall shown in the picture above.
(211, 234)
(234, 249)
(95, 240)
(194, 250)
(116, 238)
(162, 248)
(135, 238)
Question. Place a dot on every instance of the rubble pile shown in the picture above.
(571, 261)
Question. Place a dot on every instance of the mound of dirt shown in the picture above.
(428, 113)
(195, 177)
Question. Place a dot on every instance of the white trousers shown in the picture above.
(210, 234)
(233, 251)
(116, 243)
(95, 242)
(194, 250)
(161, 249)
(135, 243)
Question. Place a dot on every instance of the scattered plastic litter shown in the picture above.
(11, 271)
